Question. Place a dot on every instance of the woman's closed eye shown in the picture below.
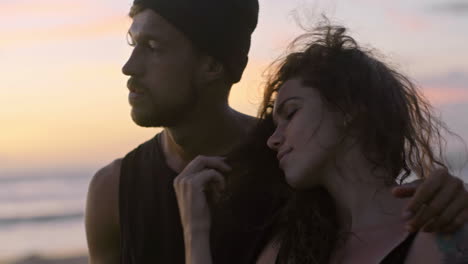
(290, 114)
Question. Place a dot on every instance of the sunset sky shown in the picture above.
(63, 98)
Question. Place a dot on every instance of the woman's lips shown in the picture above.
(281, 155)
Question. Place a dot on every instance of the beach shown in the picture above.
(42, 216)
(50, 260)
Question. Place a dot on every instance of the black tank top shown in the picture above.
(397, 256)
(150, 227)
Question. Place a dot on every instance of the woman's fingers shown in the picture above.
(193, 200)
(199, 180)
(210, 177)
(203, 162)
(202, 166)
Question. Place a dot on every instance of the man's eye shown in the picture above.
(152, 44)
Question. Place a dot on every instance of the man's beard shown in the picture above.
(168, 116)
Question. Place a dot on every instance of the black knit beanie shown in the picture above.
(221, 28)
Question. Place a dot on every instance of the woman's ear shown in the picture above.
(210, 70)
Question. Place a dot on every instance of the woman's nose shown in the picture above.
(275, 140)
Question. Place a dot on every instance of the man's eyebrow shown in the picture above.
(146, 36)
(281, 105)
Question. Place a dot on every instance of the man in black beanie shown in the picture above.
(187, 54)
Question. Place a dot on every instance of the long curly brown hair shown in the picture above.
(395, 124)
(391, 120)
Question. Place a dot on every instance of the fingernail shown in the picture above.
(407, 215)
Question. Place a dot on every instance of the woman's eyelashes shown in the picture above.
(290, 114)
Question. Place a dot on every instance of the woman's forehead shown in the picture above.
(289, 87)
(293, 87)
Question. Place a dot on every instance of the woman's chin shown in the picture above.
(300, 181)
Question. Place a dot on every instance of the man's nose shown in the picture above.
(133, 66)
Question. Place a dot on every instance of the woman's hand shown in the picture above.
(202, 176)
(440, 203)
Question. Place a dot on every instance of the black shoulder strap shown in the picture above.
(398, 255)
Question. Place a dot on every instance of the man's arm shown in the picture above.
(102, 216)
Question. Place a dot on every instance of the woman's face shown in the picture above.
(307, 134)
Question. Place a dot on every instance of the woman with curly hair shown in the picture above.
(345, 128)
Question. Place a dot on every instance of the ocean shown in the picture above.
(42, 212)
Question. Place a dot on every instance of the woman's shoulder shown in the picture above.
(453, 247)
(440, 248)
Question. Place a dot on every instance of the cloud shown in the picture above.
(454, 79)
(445, 95)
(110, 25)
(33, 8)
(453, 7)
(408, 21)
(447, 88)
(30, 22)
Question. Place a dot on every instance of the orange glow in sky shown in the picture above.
(63, 97)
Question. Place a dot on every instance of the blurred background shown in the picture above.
(63, 100)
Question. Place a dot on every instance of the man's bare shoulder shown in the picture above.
(109, 174)
(102, 215)
(103, 190)
(103, 193)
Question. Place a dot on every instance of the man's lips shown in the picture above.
(134, 87)
(137, 92)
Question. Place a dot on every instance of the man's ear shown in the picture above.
(210, 70)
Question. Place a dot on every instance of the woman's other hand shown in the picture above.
(202, 176)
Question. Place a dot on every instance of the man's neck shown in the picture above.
(214, 134)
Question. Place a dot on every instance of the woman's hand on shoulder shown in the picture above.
(439, 203)
(201, 176)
